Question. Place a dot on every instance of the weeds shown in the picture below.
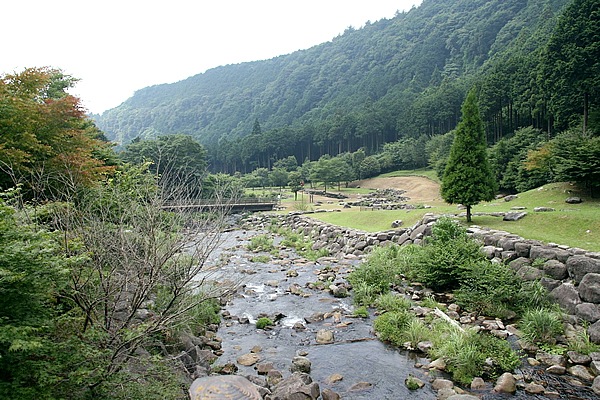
(541, 326)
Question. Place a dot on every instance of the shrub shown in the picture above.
(447, 255)
(490, 289)
(541, 326)
(263, 322)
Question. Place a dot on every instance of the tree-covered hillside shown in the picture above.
(394, 78)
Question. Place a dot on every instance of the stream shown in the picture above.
(368, 368)
(355, 364)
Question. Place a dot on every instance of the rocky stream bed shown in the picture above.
(317, 349)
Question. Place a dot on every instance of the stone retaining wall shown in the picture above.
(571, 275)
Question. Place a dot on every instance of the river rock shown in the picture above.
(573, 200)
(588, 312)
(360, 386)
(445, 393)
(438, 364)
(325, 336)
(301, 364)
(439, 383)
(556, 370)
(596, 385)
(567, 296)
(462, 397)
(506, 383)
(478, 384)
(248, 360)
(594, 332)
(335, 378)
(534, 388)
(551, 359)
(578, 358)
(328, 394)
(581, 372)
(274, 377)
(297, 386)
(223, 386)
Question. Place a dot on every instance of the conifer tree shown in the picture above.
(468, 178)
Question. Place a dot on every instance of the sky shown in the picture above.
(115, 47)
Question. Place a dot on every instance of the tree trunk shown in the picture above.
(468, 213)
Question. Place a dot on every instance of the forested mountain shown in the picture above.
(394, 78)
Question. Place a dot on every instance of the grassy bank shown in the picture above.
(575, 225)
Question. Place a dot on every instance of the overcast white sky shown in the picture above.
(118, 46)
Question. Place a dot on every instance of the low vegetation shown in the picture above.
(451, 261)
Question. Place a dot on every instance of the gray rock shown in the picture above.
(534, 388)
(555, 269)
(578, 358)
(462, 397)
(439, 383)
(588, 312)
(596, 385)
(514, 216)
(516, 264)
(579, 266)
(574, 200)
(478, 384)
(549, 283)
(528, 273)
(510, 197)
(227, 386)
(297, 386)
(551, 359)
(567, 297)
(589, 288)
(543, 209)
(556, 370)
(594, 332)
(522, 249)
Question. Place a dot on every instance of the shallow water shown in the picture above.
(356, 354)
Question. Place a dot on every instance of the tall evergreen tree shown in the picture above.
(468, 178)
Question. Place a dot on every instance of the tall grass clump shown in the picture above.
(469, 354)
(392, 302)
(391, 326)
(541, 326)
(261, 243)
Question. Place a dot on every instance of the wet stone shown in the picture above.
(534, 388)
(581, 372)
(335, 378)
(578, 358)
(248, 360)
(325, 336)
(360, 386)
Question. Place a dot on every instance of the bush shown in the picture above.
(361, 312)
(541, 326)
(447, 255)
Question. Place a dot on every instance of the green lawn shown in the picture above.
(575, 225)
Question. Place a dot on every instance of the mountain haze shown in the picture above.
(393, 78)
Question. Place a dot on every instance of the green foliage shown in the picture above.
(468, 178)
(388, 302)
(361, 312)
(396, 78)
(390, 326)
(467, 354)
(449, 253)
(263, 322)
(412, 383)
(261, 243)
(541, 325)
(582, 343)
(263, 258)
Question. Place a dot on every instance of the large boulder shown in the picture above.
(589, 288)
(579, 266)
(555, 269)
(567, 297)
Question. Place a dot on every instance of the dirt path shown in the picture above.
(418, 188)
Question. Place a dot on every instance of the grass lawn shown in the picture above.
(575, 225)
